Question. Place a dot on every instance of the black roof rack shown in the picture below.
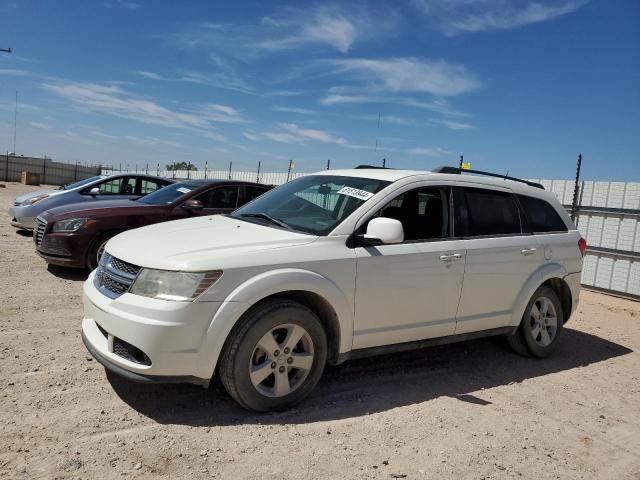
(364, 167)
(457, 171)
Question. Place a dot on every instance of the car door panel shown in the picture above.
(406, 292)
(495, 271)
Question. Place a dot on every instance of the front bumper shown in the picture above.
(20, 218)
(171, 334)
(65, 249)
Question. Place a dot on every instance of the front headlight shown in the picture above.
(69, 225)
(176, 286)
(34, 200)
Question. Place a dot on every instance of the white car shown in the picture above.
(332, 266)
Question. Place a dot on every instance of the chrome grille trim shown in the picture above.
(38, 232)
(114, 276)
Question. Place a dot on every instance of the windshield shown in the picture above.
(82, 182)
(168, 194)
(313, 204)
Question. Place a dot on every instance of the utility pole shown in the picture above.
(576, 190)
(15, 124)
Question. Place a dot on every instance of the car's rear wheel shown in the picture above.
(541, 325)
(275, 357)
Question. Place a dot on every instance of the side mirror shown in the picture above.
(382, 231)
(94, 191)
(192, 204)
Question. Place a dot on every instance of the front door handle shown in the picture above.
(450, 257)
(528, 251)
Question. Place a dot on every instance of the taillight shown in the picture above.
(582, 246)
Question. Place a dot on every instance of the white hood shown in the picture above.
(199, 243)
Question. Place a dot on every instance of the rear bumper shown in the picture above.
(573, 280)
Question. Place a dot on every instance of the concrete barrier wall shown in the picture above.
(51, 173)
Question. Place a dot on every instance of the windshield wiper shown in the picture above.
(267, 217)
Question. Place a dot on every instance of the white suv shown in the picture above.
(332, 266)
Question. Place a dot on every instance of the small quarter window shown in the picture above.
(541, 216)
(491, 212)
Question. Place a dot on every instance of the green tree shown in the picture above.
(181, 166)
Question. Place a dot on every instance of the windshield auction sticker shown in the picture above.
(355, 193)
(183, 190)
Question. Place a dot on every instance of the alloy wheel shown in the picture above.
(543, 321)
(281, 360)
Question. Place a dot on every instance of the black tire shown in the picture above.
(238, 354)
(96, 244)
(523, 340)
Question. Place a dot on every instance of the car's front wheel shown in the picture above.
(275, 357)
(541, 325)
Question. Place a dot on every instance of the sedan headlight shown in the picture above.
(70, 224)
(176, 286)
(34, 200)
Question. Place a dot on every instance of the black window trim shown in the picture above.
(464, 223)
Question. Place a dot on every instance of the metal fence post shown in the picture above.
(206, 165)
(6, 168)
(329, 164)
(258, 174)
(289, 170)
(461, 162)
(576, 189)
(75, 173)
(230, 165)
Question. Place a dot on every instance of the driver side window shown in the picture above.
(423, 212)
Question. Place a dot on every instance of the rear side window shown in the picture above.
(491, 212)
(540, 216)
(251, 192)
(148, 186)
(220, 197)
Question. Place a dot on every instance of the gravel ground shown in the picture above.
(466, 411)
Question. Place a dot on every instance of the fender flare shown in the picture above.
(537, 278)
(268, 284)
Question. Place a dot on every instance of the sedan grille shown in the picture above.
(114, 276)
(38, 233)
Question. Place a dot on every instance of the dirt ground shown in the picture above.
(466, 411)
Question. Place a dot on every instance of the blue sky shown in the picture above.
(516, 86)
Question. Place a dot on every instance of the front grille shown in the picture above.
(38, 233)
(124, 266)
(114, 276)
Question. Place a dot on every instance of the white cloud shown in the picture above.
(454, 125)
(429, 152)
(113, 100)
(337, 27)
(13, 72)
(454, 17)
(437, 105)
(311, 134)
(151, 141)
(294, 134)
(436, 77)
(150, 75)
(41, 126)
(301, 111)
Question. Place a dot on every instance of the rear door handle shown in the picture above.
(528, 251)
(450, 257)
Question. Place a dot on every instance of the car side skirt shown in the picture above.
(430, 342)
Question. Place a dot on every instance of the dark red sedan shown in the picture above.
(75, 235)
